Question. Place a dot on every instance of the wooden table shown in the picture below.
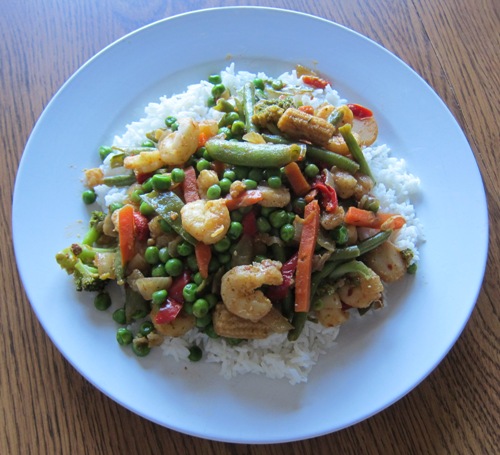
(46, 407)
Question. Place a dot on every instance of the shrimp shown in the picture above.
(274, 197)
(205, 180)
(144, 162)
(177, 147)
(206, 221)
(331, 313)
(361, 294)
(239, 288)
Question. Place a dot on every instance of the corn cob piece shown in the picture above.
(301, 125)
(226, 324)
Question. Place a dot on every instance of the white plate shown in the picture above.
(376, 362)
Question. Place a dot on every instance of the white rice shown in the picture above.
(273, 357)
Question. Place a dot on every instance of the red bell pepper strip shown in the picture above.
(190, 185)
(329, 198)
(279, 292)
(168, 311)
(141, 226)
(249, 223)
(175, 291)
(360, 111)
(306, 251)
(126, 233)
(203, 254)
(315, 81)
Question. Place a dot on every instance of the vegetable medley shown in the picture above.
(244, 226)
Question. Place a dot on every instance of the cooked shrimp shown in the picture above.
(144, 162)
(177, 147)
(205, 180)
(274, 197)
(239, 288)
(331, 313)
(206, 221)
(330, 220)
(359, 294)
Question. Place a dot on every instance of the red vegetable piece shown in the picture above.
(168, 311)
(175, 291)
(360, 111)
(141, 227)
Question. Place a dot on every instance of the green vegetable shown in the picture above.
(177, 175)
(185, 249)
(254, 155)
(124, 336)
(218, 90)
(119, 316)
(95, 228)
(235, 230)
(104, 151)
(159, 297)
(152, 255)
(174, 267)
(161, 182)
(215, 79)
(195, 354)
(146, 328)
(214, 192)
(200, 308)
(102, 301)
(141, 349)
(119, 180)
(355, 149)
(287, 232)
(89, 197)
(189, 292)
(248, 106)
(374, 241)
(136, 307)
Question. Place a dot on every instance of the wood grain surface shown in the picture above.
(47, 407)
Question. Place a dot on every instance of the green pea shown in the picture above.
(174, 267)
(210, 331)
(141, 349)
(165, 227)
(147, 185)
(200, 151)
(212, 300)
(340, 234)
(206, 155)
(152, 255)
(225, 185)
(136, 196)
(214, 192)
(195, 354)
(175, 126)
(189, 292)
(250, 184)
(102, 301)
(222, 245)
(274, 181)
(188, 307)
(146, 209)
(287, 232)
(299, 205)
(277, 84)
(124, 336)
(104, 151)
(218, 90)
(278, 218)
(203, 164)
(215, 79)
(263, 225)
(230, 175)
(241, 172)
(266, 211)
(225, 131)
(146, 328)
(119, 316)
(224, 258)
(115, 206)
(238, 128)
(256, 174)
(210, 101)
(200, 308)
(178, 175)
(197, 278)
(235, 230)
(311, 170)
(159, 297)
(158, 271)
(148, 144)
(161, 182)
(192, 263)
(412, 269)
(170, 120)
(258, 83)
(163, 254)
(185, 249)
(236, 215)
(229, 118)
(204, 321)
(89, 197)
(291, 217)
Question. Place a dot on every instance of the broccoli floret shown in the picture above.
(268, 112)
(78, 260)
(95, 228)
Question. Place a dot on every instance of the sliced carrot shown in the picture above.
(308, 109)
(202, 139)
(190, 185)
(126, 233)
(297, 180)
(307, 245)
(203, 257)
(248, 197)
(366, 218)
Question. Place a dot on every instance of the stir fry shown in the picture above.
(241, 225)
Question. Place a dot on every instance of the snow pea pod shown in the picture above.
(254, 155)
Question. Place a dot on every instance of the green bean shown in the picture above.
(332, 159)
(119, 180)
(344, 254)
(254, 155)
(248, 106)
(223, 106)
(336, 117)
(357, 267)
(373, 242)
(298, 322)
(355, 149)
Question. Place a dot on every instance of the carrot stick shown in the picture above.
(248, 197)
(306, 251)
(203, 256)
(366, 218)
(190, 185)
(126, 233)
(297, 180)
